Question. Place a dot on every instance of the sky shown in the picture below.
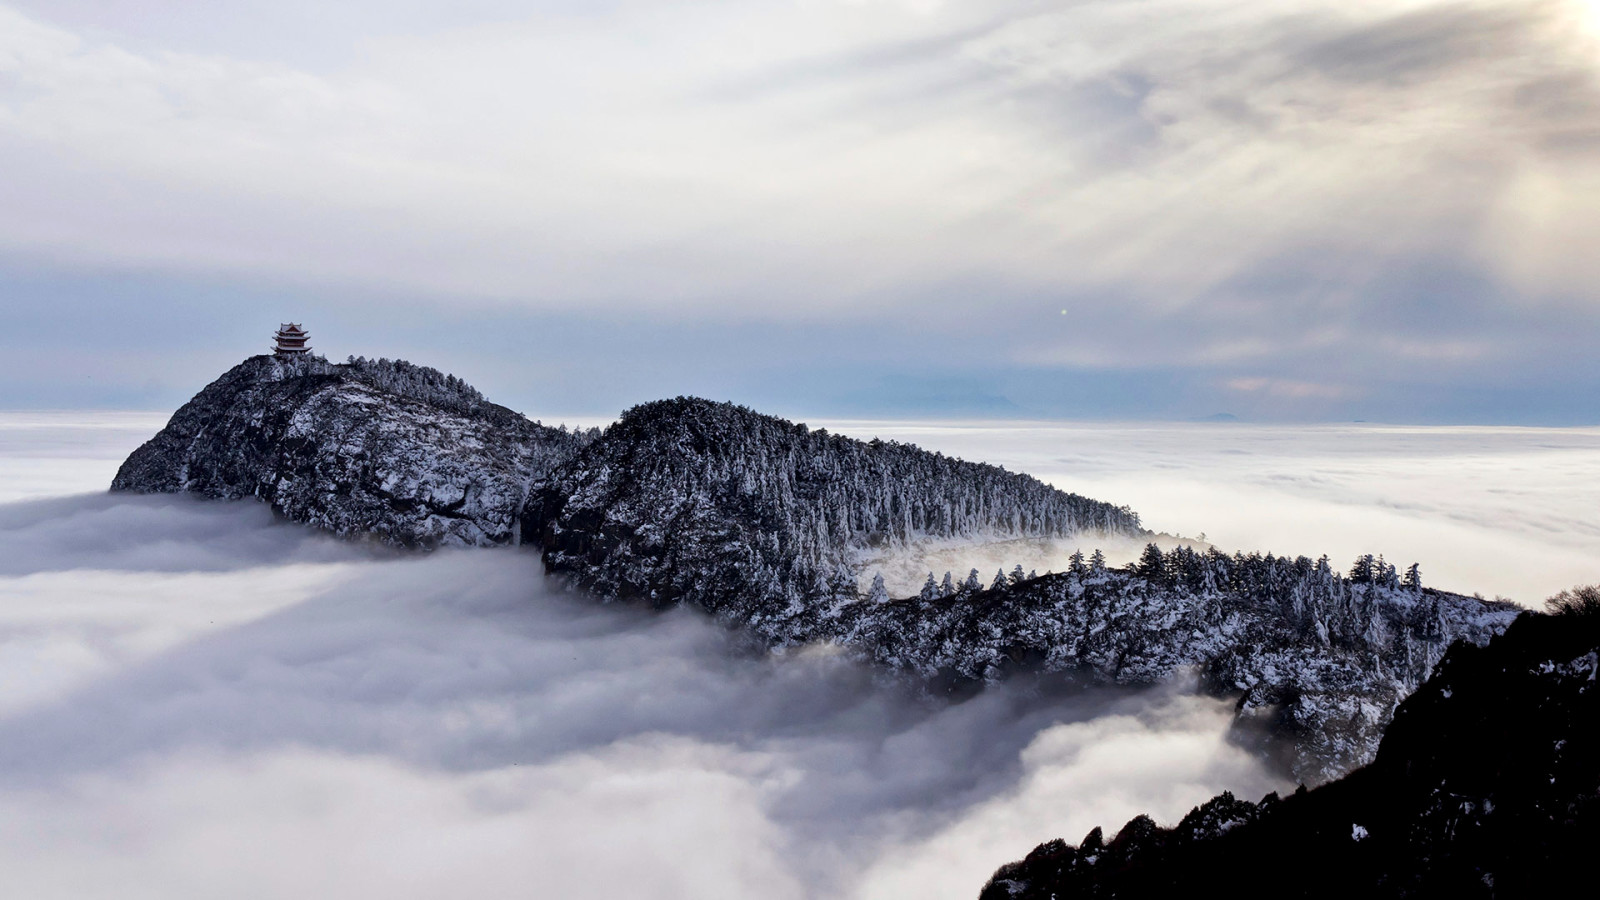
(1146, 209)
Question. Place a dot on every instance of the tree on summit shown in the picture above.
(1364, 569)
(1413, 579)
(1578, 601)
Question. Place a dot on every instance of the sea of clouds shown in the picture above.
(197, 700)
(1494, 510)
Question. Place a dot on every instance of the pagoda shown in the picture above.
(291, 340)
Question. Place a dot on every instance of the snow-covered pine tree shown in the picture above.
(1362, 571)
(878, 593)
(1413, 579)
(1152, 566)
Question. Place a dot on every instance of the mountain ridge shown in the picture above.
(763, 523)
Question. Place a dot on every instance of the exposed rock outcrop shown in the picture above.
(401, 453)
(1318, 660)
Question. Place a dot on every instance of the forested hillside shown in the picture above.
(761, 521)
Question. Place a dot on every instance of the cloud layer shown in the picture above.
(1481, 509)
(423, 726)
(197, 699)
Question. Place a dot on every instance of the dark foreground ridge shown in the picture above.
(1487, 784)
(762, 523)
(401, 453)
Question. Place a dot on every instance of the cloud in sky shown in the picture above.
(1384, 204)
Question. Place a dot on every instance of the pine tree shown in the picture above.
(999, 580)
(1017, 575)
(1383, 574)
(1097, 564)
(1152, 566)
(1075, 564)
(930, 589)
(845, 588)
(947, 588)
(973, 584)
(1413, 579)
(878, 593)
(1362, 571)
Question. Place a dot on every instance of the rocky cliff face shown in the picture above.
(401, 453)
(1486, 785)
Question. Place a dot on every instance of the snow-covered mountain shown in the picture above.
(764, 523)
(1318, 659)
(402, 453)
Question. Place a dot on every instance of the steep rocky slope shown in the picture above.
(1487, 784)
(402, 453)
(1318, 660)
(761, 521)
